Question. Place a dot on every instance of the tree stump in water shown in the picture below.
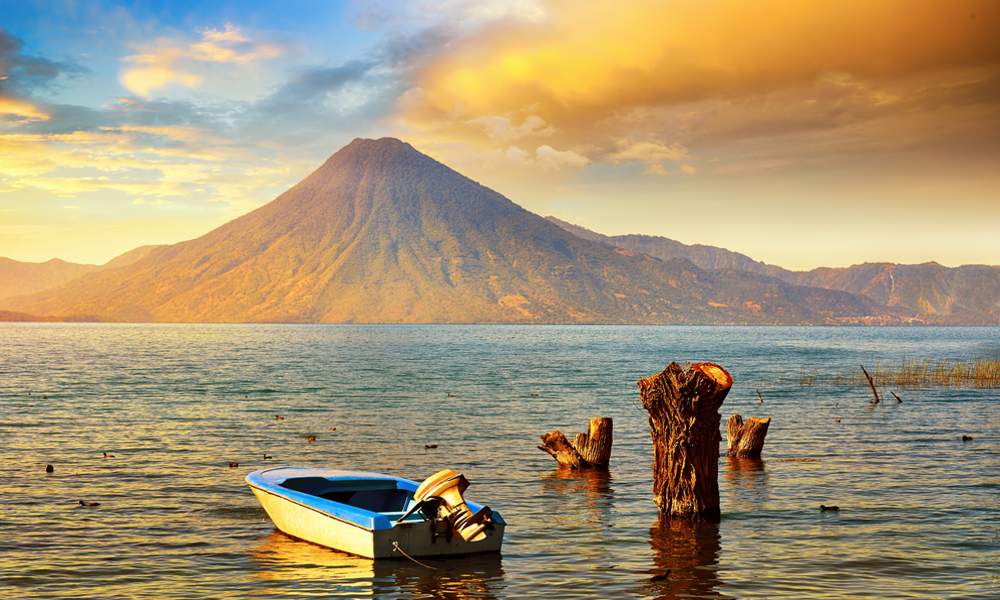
(746, 438)
(590, 450)
(683, 406)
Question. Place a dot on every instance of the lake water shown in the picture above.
(175, 403)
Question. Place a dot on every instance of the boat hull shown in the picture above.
(415, 538)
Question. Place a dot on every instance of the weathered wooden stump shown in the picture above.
(746, 438)
(590, 450)
(683, 406)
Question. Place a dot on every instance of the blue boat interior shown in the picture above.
(384, 496)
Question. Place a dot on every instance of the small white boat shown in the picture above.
(375, 515)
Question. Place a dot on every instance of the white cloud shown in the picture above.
(648, 152)
(651, 154)
(554, 159)
(177, 62)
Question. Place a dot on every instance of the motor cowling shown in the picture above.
(447, 486)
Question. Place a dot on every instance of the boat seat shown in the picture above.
(380, 500)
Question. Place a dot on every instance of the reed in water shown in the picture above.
(982, 373)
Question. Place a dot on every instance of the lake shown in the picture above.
(175, 403)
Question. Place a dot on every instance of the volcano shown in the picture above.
(383, 233)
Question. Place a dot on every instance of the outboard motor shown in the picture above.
(447, 487)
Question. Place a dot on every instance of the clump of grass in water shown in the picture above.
(982, 373)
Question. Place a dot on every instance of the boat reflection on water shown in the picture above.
(686, 560)
(285, 563)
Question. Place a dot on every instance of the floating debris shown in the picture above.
(89, 504)
(430, 446)
(279, 418)
(967, 438)
(310, 438)
(233, 465)
(106, 455)
(267, 457)
(825, 508)
(49, 468)
(331, 429)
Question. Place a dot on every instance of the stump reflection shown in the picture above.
(594, 486)
(746, 483)
(690, 551)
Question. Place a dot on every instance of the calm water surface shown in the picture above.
(174, 404)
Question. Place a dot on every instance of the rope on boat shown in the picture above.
(396, 548)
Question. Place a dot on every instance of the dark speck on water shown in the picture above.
(921, 510)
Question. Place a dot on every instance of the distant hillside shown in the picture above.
(968, 294)
(18, 277)
(383, 233)
(706, 257)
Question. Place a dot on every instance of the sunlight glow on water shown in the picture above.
(176, 403)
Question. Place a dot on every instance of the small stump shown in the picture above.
(683, 406)
(590, 450)
(746, 438)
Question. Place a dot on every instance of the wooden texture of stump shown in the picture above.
(746, 438)
(683, 406)
(590, 450)
(595, 446)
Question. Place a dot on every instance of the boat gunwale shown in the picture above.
(314, 508)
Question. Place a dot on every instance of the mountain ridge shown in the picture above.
(966, 294)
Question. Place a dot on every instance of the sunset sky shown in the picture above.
(801, 133)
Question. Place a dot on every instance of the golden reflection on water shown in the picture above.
(280, 558)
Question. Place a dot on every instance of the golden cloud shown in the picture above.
(677, 79)
(592, 59)
(130, 159)
(21, 110)
(174, 62)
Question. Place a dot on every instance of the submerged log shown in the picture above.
(746, 438)
(871, 382)
(683, 406)
(590, 450)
